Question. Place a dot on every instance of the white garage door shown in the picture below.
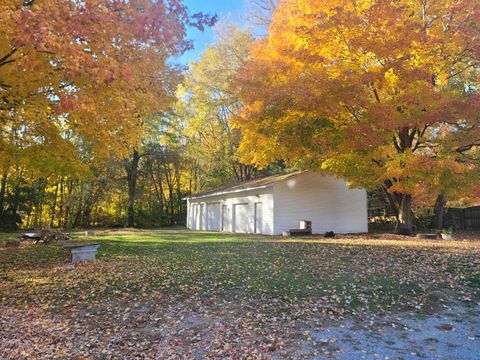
(243, 218)
(197, 214)
(258, 218)
(214, 217)
(193, 220)
(197, 217)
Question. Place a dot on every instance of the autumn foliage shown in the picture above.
(85, 73)
(78, 82)
(384, 93)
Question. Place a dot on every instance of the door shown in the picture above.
(243, 221)
(201, 217)
(214, 217)
(193, 224)
(225, 218)
(197, 221)
(258, 218)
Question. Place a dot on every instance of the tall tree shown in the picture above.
(208, 101)
(260, 12)
(383, 93)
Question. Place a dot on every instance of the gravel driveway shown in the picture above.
(453, 333)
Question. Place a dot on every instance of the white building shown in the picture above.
(277, 203)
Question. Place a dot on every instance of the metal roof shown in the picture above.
(245, 186)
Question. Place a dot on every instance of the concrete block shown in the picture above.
(82, 252)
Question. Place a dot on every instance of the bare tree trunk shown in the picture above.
(391, 198)
(60, 206)
(178, 199)
(158, 194)
(68, 206)
(79, 210)
(438, 211)
(52, 213)
(170, 191)
(405, 215)
(16, 201)
(3, 190)
(160, 184)
(132, 175)
(38, 219)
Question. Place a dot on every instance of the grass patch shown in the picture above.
(9, 235)
(350, 275)
(175, 294)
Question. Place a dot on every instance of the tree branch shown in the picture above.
(467, 147)
(375, 92)
(4, 60)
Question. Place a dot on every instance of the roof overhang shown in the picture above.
(193, 197)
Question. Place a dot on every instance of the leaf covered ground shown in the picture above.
(203, 295)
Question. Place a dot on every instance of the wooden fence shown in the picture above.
(463, 219)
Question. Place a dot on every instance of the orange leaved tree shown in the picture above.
(96, 67)
(380, 92)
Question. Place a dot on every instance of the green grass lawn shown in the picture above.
(6, 236)
(250, 285)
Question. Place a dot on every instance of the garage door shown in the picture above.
(258, 218)
(199, 222)
(197, 217)
(243, 218)
(193, 218)
(214, 217)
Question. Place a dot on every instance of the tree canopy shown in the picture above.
(208, 101)
(78, 80)
(383, 93)
(89, 71)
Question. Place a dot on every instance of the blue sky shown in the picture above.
(233, 9)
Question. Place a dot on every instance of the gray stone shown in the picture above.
(82, 252)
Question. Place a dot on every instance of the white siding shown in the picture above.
(325, 200)
(201, 216)
(214, 216)
(258, 218)
(227, 202)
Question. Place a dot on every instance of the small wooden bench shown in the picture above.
(82, 252)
